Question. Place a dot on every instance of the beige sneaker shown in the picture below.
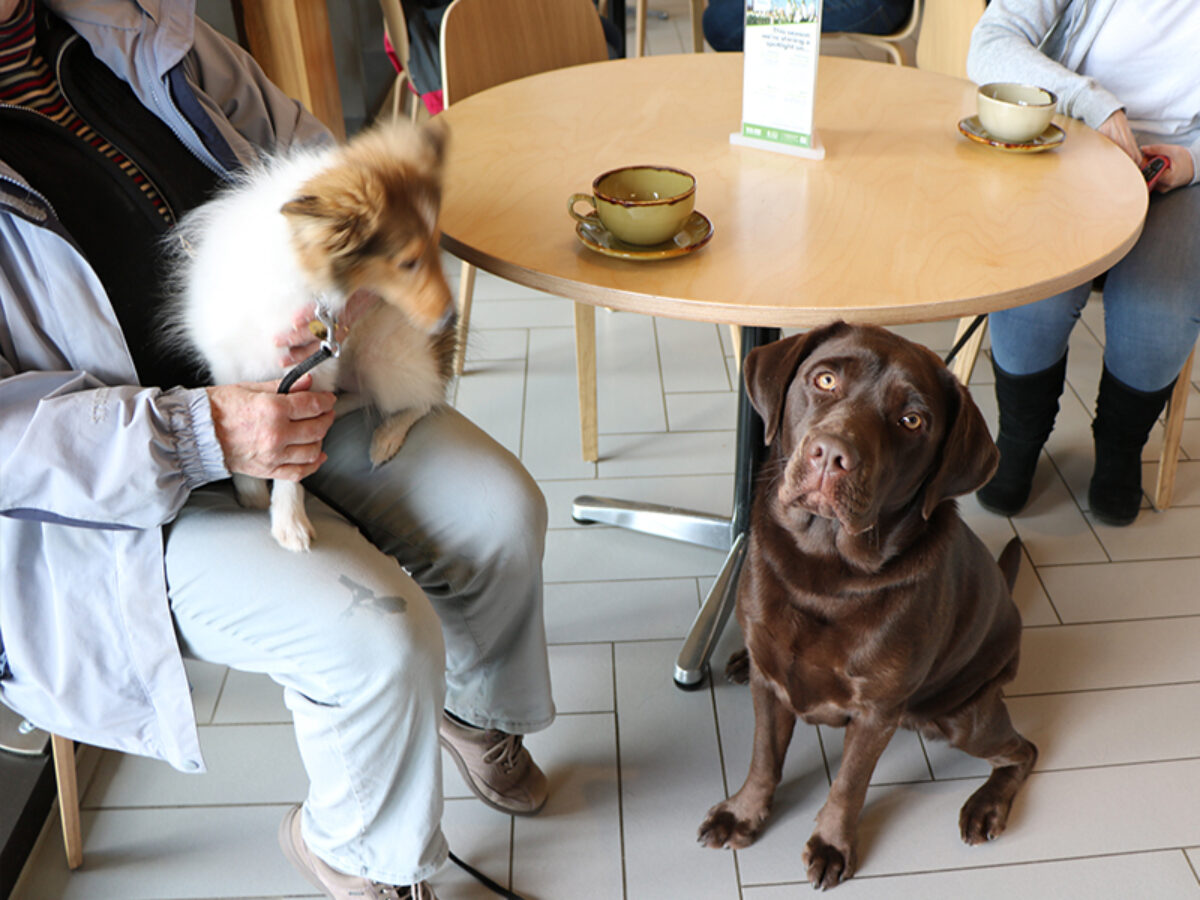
(496, 767)
(337, 885)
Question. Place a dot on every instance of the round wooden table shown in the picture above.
(904, 220)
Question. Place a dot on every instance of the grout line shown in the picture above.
(1103, 690)
(885, 876)
(1187, 859)
(620, 783)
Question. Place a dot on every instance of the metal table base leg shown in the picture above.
(650, 518)
(710, 621)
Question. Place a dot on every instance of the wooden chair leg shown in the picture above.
(735, 333)
(63, 750)
(697, 26)
(639, 28)
(585, 369)
(1168, 463)
(964, 364)
(466, 290)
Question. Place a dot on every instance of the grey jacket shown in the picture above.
(92, 466)
(1044, 42)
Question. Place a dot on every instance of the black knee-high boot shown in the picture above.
(1028, 405)
(1124, 417)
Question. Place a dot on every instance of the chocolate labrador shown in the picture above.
(866, 602)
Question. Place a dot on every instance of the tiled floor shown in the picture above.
(1109, 686)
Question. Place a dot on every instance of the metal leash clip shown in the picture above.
(328, 320)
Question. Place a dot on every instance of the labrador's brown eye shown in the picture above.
(408, 264)
(911, 421)
(825, 381)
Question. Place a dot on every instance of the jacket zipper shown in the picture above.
(58, 62)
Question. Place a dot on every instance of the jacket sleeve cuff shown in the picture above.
(201, 458)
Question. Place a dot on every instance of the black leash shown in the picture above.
(325, 328)
(966, 336)
(483, 879)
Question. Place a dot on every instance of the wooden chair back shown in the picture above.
(946, 27)
(490, 42)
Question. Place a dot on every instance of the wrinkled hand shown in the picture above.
(270, 435)
(1181, 171)
(300, 343)
(1116, 129)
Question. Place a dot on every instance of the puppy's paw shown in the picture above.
(984, 816)
(293, 532)
(737, 670)
(384, 447)
(826, 865)
(389, 437)
(724, 829)
(252, 493)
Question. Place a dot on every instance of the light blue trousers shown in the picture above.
(1151, 305)
(367, 651)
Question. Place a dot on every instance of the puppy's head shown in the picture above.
(866, 424)
(369, 221)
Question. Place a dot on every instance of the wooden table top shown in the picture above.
(904, 220)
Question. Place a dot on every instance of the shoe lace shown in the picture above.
(505, 751)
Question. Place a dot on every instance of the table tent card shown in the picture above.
(779, 78)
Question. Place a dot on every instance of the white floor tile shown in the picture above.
(249, 697)
(1111, 727)
(573, 847)
(169, 853)
(652, 609)
(1108, 655)
(247, 764)
(670, 775)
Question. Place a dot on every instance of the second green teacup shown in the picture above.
(640, 205)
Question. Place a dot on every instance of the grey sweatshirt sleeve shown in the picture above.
(1010, 43)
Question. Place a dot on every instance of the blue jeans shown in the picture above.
(725, 20)
(1151, 305)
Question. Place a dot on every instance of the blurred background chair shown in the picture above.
(640, 12)
(946, 27)
(488, 42)
(895, 45)
(395, 32)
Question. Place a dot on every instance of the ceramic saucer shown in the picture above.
(695, 233)
(1051, 137)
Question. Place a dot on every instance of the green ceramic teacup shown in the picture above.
(642, 205)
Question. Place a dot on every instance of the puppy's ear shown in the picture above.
(968, 457)
(769, 371)
(436, 134)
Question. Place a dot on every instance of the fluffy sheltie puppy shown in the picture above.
(315, 226)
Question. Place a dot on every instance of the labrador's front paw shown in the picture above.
(827, 866)
(723, 828)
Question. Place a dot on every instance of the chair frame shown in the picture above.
(891, 44)
(462, 77)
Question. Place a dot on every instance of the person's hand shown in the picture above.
(1116, 129)
(270, 435)
(300, 343)
(1181, 171)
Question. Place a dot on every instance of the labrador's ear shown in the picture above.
(769, 371)
(968, 456)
